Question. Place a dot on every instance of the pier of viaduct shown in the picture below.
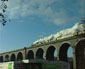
(77, 42)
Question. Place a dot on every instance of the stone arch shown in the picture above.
(13, 57)
(7, 58)
(63, 52)
(50, 53)
(30, 55)
(80, 54)
(20, 56)
(39, 53)
(1, 58)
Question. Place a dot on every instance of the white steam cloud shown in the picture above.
(62, 34)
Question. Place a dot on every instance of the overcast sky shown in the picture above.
(35, 19)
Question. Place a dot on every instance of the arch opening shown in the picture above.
(13, 58)
(30, 55)
(39, 53)
(66, 53)
(7, 58)
(1, 58)
(63, 52)
(19, 56)
(80, 55)
(50, 53)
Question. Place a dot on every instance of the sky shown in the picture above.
(31, 20)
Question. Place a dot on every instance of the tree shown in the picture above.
(3, 8)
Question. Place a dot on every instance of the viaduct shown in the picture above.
(77, 42)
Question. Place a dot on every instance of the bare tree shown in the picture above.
(3, 8)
